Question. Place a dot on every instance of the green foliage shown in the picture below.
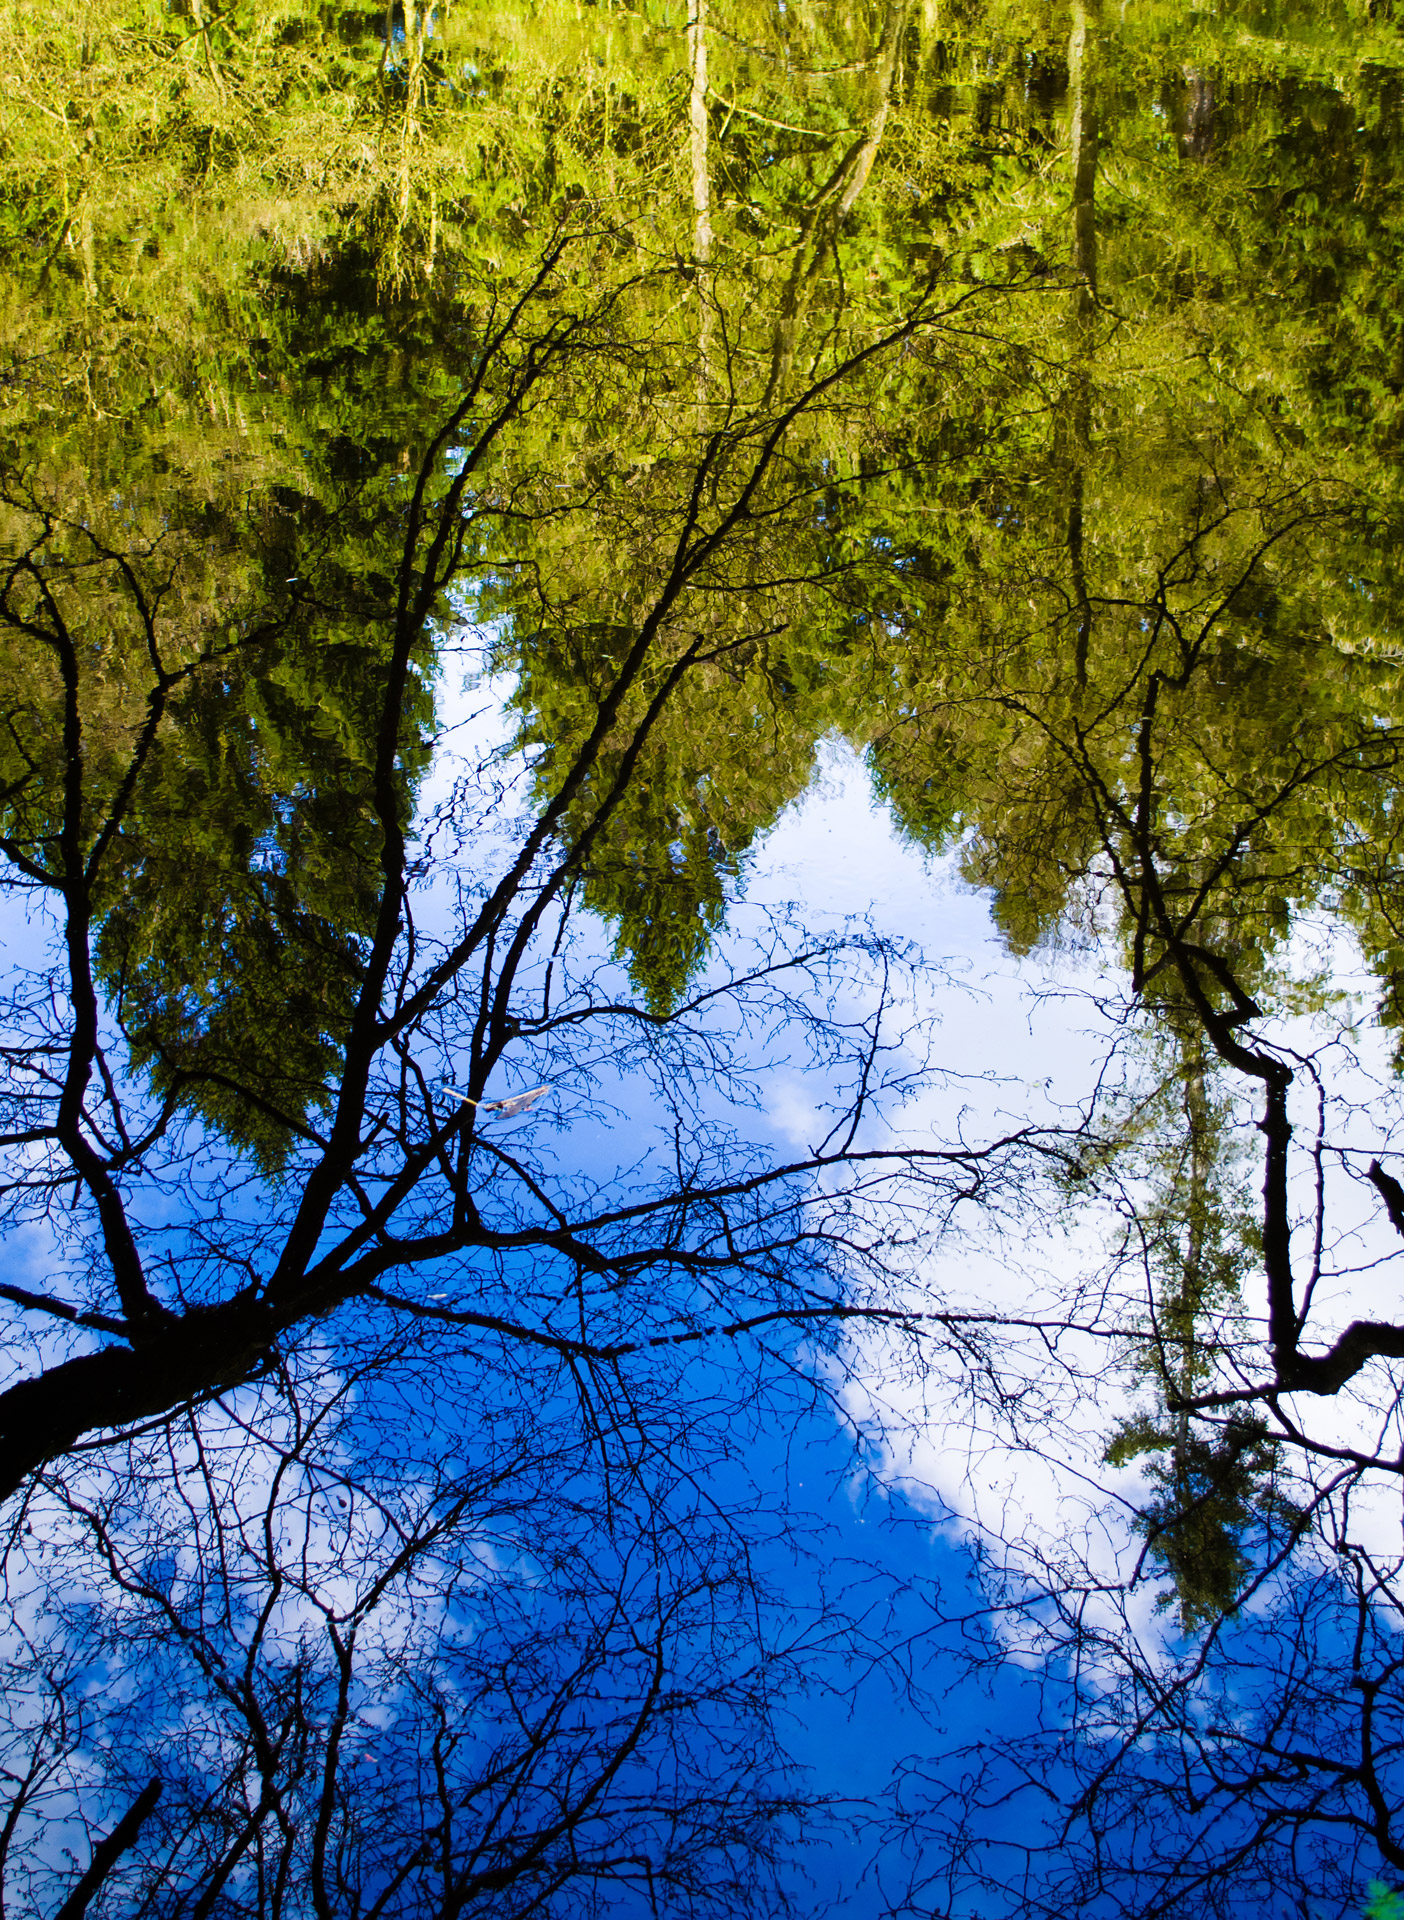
(1209, 1492)
(253, 253)
(249, 557)
(1383, 1904)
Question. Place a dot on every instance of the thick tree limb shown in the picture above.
(108, 1852)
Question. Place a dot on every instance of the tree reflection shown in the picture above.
(542, 1625)
(372, 1438)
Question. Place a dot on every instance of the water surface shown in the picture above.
(699, 766)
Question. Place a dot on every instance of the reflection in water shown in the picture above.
(411, 1282)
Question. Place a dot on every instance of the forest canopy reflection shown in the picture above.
(1011, 394)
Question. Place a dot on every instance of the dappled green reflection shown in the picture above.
(204, 572)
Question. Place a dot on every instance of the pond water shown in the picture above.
(700, 764)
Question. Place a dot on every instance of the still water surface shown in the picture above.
(699, 785)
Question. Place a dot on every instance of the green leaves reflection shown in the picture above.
(211, 596)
